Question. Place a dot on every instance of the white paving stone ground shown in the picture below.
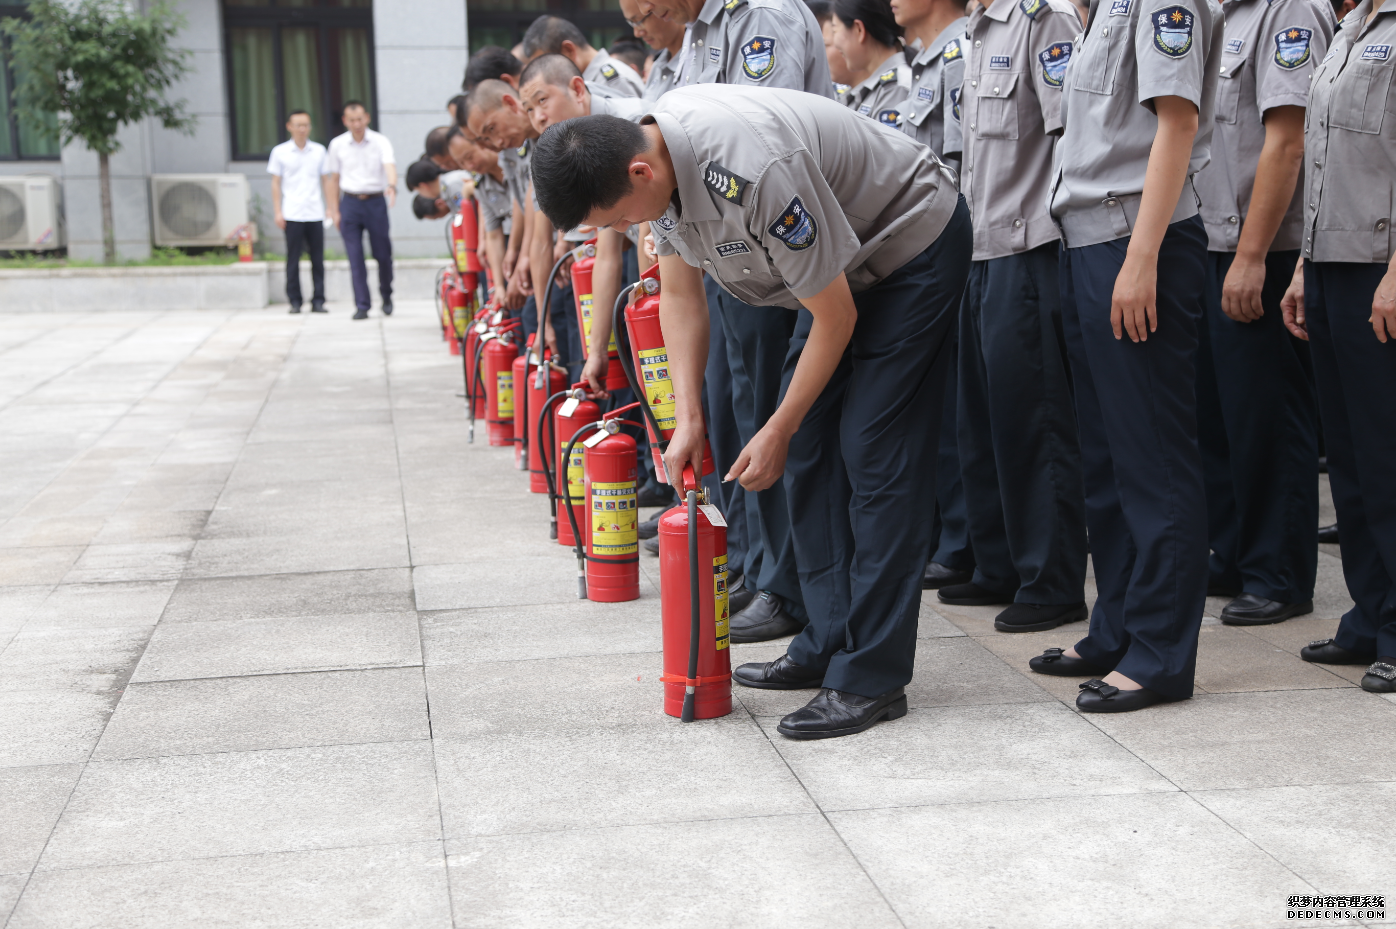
(281, 649)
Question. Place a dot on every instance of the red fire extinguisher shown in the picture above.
(522, 366)
(545, 383)
(693, 585)
(607, 544)
(458, 311)
(465, 243)
(645, 363)
(497, 371)
(560, 417)
(583, 265)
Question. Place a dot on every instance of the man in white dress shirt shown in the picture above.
(297, 168)
(363, 185)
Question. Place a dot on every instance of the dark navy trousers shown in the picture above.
(1356, 378)
(950, 544)
(355, 218)
(1019, 455)
(857, 471)
(726, 444)
(1136, 407)
(1257, 427)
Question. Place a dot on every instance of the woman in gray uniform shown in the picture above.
(1343, 301)
(871, 41)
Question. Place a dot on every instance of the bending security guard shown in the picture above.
(746, 184)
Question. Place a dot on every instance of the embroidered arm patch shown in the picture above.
(1292, 47)
(759, 57)
(1172, 30)
(795, 227)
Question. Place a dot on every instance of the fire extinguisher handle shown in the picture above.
(690, 482)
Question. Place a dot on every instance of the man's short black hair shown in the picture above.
(487, 65)
(419, 172)
(583, 165)
(557, 70)
(304, 113)
(546, 35)
(423, 207)
(823, 10)
(438, 140)
(350, 104)
(631, 51)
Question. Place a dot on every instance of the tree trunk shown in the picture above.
(108, 232)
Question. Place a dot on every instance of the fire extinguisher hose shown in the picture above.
(480, 382)
(628, 366)
(543, 450)
(690, 694)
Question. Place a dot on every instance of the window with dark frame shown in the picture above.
(288, 55)
(503, 22)
(19, 141)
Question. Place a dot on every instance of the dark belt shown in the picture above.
(364, 196)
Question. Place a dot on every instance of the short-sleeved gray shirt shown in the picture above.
(1010, 106)
(514, 161)
(780, 191)
(882, 94)
(1132, 52)
(1350, 143)
(1269, 52)
(494, 200)
(767, 43)
(614, 74)
(931, 114)
(661, 78)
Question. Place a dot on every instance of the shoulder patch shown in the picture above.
(1376, 53)
(609, 72)
(1053, 59)
(522, 150)
(795, 227)
(887, 76)
(730, 5)
(890, 116)
(1292, 47)
(952, 50)
(955, 103)
(759, 57)
(727, 185)
(728, 249)
(1031, 8)
(665, 223)
(1172, 31)
(1120, 7)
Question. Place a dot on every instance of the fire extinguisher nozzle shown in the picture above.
(688, 701)
(552, 529)
(581, 588)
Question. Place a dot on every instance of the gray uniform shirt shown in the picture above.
(494, 199)
(514, 161)
(1011, 102)
(881, 96)
(614, 74)
(769, 43)
(1350, 143)
(1132, 52)
(1269, 52)
(779, 192)
(661, 77)
(605, 102)
(931, 115)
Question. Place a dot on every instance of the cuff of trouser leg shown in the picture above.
(1174, 688)
(1000, 587)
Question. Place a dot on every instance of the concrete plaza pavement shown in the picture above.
(279, 648)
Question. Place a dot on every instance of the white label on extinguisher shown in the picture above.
(569, 406)
(613, 519)
(720, 600)
(659, 390)
(714, 515)
(595, 438)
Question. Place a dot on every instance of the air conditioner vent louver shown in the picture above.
(188, 210)
(11, 214)
(31, 214)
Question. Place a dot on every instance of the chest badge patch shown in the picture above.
(925, 93)
(1292, 47)
(1000, 62)
(1031, 8)
(714, 53)
(955, 103)
(726, 184)
(665, 223)
(952, 50)
(1234, 46)
(795, 227)
(1172, 31)
(759, 57)
(1053, 60)
(1120, 8)
(889, 117)
(1376, 53)
(728, 249)
(864, 110)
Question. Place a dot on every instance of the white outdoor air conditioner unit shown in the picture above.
(198, 209)
(31, 213)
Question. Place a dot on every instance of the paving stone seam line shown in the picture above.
(421, 639)
(262, 854)
(256, 751)
(82, 773)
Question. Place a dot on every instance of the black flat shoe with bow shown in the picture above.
(1100, 697)
(1323, 651)
(1381, 677)
(1057, 662)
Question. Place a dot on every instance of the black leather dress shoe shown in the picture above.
(1252, 610)
(295, 308)
(1328, 535)
(764, 619)
(318, 308)
(938, 575)
(1056, 662)
(833, 713)
(781, 674)
(739, 597)
(650, 527)
(361, 314)
(1381, 677)
(387, 308)
(1031, 617)
(1323, 651)
(650, 495)
(652, 545)
(1100, 697)
(971, 595)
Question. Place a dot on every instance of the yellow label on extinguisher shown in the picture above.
(613, 519)
(504, 394)
(462, 259)
(720, 600)
(659, 390)
(575, 490)
(585, 302)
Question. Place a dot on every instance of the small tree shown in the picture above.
(99, 66)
